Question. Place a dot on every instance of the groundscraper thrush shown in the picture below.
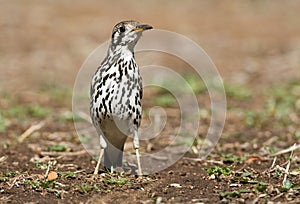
(116, 93)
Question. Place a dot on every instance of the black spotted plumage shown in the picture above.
(116, 93)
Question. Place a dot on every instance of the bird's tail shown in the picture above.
(115, 136)
(113, 155)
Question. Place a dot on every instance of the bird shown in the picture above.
(115, 95)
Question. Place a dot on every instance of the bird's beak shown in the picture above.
(142, 27)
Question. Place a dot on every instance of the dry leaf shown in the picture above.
(52, 176)
(256, 159)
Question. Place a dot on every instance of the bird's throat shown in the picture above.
(121, 51)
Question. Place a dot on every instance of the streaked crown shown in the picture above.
(127, 33)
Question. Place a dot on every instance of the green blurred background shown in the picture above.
(251, 42)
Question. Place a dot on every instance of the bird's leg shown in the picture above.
(102, 147)
(136, 147)
(99, 161)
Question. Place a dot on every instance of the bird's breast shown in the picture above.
(117, 92)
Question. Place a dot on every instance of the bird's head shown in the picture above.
(127, 33)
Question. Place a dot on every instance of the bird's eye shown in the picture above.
(122, 29)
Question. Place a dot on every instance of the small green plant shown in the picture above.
(253, 119)
(57, 148)
(186, 141)
(56, 92)
(38, 111)
(10, 174)
(272, 149)
(237, 92)
(84, 139)
(22, 112)
(165, 100)
(281, 103)
(87, 188)
(297, 134)
(67, 174)
(247, 177)
(197, 85)
(261, 187)
(16, 112)
(37, 164)
(69, 117)
(277, 173)
(47, 184)
(230, 158)
(35, 184)
(118, 181)
(3, 179)
(219, 170)
(247, 174)
(2, 123)
(286, 186)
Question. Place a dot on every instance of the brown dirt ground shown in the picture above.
(43, 44)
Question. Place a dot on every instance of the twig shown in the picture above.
(277, 167)
(3, 158)
(48, 169)
(290, 149)
(30, 130)
(78, 171)
(203, 160)
(288, 166)
(273, 163)
(67, 154)
(14, 183)
(6, 199)
(278, 196)
(268, 171)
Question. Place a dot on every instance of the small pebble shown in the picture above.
(176, 185)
